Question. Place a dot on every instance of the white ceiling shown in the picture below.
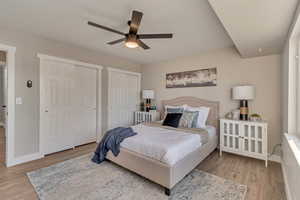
(257, 27)
(194, 24)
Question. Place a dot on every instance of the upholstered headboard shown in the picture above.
(213, 117)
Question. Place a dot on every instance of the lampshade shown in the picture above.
(148, 94)
(246, 92)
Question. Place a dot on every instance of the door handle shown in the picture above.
(46, 111)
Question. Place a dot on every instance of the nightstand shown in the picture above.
(247, 138)
(141, 117)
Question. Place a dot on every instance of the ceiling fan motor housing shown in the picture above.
(131, 37)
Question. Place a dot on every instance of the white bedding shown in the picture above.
(167, 146)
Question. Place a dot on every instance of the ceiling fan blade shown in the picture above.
(142, 44)
(105, 28)
(155, 36)
(135, 22)
(116, 41)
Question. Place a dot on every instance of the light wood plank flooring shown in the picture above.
(14, 184)
(263, 183)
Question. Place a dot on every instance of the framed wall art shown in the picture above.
(195, 78)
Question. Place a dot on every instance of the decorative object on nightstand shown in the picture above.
(148, 95)
(229, 115)
(234, 114)
(141, 117)
(243, 93)
(255, 117)
(245, 138)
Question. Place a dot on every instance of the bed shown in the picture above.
(168, 174)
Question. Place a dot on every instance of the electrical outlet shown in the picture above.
(19, 100)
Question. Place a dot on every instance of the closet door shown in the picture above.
(85, 106)
(132, 97)
(68, 106)
(123, 98)
(56, 125)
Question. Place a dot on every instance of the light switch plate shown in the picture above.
(19, 100)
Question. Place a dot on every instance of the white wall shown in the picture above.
(263, 72)
(27, 68)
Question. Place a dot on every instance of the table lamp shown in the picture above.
(148, 95)
(243, 93)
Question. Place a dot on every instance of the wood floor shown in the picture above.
(263, 183)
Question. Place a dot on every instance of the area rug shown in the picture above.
(79, 178)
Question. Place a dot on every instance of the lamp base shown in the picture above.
(148, 105)
(244, 110)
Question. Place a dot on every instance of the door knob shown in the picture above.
(46, 110)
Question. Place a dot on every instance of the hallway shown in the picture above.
(2, 146)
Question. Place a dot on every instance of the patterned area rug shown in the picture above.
(79, 178)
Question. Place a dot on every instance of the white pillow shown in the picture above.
(202, 115)
(182, 106)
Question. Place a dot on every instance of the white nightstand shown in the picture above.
(245, 138)
(140, 116)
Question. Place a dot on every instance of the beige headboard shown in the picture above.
(213, 117)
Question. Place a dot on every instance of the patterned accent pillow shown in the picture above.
(188, 119)
(202, 115)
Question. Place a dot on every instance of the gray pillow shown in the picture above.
(188, 119)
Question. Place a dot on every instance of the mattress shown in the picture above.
(166, 144)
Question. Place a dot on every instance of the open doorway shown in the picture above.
(7, 150)
(3, 105)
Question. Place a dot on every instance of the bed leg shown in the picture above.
(167, 191)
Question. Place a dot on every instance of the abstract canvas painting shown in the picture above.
(196, 78)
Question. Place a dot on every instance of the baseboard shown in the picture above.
(24, 159)
(275, 158)
(286, 183)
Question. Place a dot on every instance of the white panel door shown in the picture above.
(133, 97)
(85, 106)
(124, 98)
(57, 126)
(68, 106)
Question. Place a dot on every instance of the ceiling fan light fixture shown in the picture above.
(131, 44)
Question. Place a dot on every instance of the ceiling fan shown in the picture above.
(132, 39)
